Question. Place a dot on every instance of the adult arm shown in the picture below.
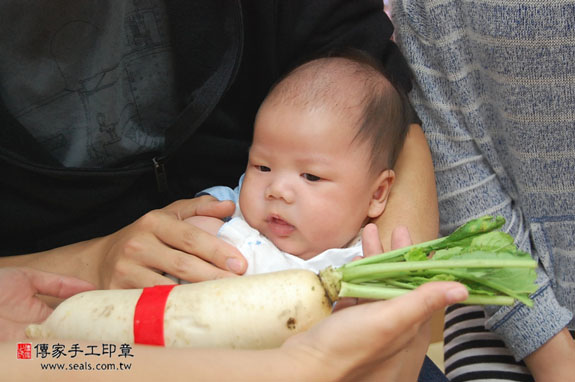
(471, 179)
(369, 335)
(554, 360)
(413, 199)
(135, 256)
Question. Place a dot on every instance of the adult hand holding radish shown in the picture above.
(352, 344)
(19, 304)
(366, 342)
(136, 256)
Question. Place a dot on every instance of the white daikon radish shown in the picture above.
(250, 312)
(262, 311)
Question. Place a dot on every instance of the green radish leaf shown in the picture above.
(477, 255)
(415, 254)
(494, 241)
(477, 226)
(446, 254)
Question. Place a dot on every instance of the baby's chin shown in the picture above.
(297, 249)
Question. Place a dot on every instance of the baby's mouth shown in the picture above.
(279, 226)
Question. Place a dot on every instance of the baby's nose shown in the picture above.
(280, 189)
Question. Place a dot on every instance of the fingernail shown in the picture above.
(456, 295)
(234, 265)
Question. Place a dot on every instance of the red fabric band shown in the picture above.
(149, 315)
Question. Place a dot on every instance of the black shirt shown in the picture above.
(226, 55)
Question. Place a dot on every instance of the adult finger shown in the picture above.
(417, 307)
(193, 269)
(177, 264)
(138, 277)
(144, 264)
(193, 240)
(55, 285)
(406, 313)
(410, 309)
(167, 226)
(400, 237)
(370, 241)
(204, 205)
(217, 209)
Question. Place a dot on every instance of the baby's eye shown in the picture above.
(263, 168)
(311, 177)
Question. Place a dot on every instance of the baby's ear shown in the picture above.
(381, 189)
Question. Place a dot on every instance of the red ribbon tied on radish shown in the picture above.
(149, 315)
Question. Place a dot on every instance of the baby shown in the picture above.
(320, 166)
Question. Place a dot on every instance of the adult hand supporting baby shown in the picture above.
(161, 240)
(19, 304)
(135, 256)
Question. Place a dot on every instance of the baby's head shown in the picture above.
(320, 165)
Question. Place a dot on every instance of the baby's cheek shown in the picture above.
(248, 205)
(250, 217)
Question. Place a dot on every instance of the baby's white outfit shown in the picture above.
(263, 256)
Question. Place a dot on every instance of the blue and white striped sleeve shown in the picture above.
(463, 113)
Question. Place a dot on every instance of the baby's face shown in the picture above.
(307, 187)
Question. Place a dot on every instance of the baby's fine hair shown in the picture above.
(354, 85)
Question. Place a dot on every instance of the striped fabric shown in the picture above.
(473, 353)
(495, 90)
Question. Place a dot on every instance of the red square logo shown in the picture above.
(24, 351)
